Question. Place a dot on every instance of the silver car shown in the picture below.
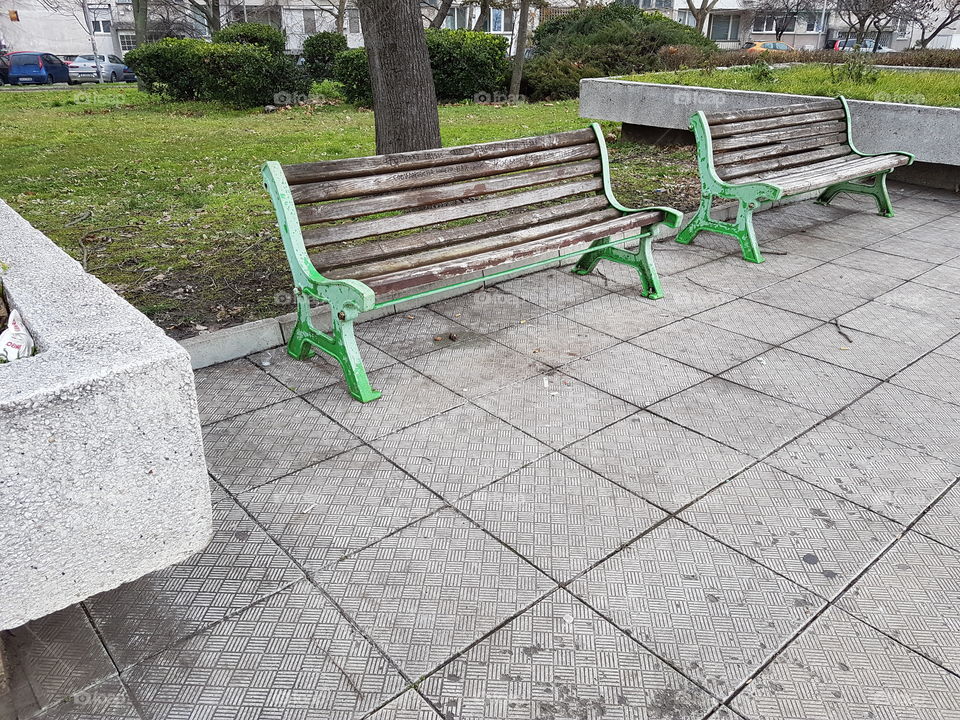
(83, 68)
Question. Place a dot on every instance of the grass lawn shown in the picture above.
(163, 200)
(916, 88)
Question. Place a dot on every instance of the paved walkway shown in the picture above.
(737, 501)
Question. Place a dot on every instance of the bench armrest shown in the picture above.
(853, 147)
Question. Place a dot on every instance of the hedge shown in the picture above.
(319, 52)
(251, 33)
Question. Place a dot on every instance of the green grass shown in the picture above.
(917, 88)
(163, 201)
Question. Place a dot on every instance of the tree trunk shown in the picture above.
(404, 97)
(441, 15)
(140, 22)
(521, 49)
(341, 16)
(214, 20)
(482, 16)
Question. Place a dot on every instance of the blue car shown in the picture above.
(36, 68)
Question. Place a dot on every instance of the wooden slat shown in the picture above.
(781, 134)
(812, 169)
(828, 172)
(783, 121)
(396, 162)
(720, 118)
(783, 162)
(312, 214)
(432, 216)
(780, 148)
(408, 179)
(344, 254)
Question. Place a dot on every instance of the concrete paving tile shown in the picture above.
(408, 397)
(432, 589)
(883, 227)
(488, 310)
(253, 449)
(476, 367)
(713, 613)
(303, 376)
(326, 511)
(884, 263)
(923, 299)
(942, 523)
(107, 700)
(950, 349)
(812, 246)
(614, 276)
(911, 244)
(671, 257)
(859, 283)
(411, 333)
(935, 374)
(812, 537)
(292, 655)
(561, 660)
(732, 275)
(49, 659)
(621, 316)
(684, 297)
(760, 322)
(706, 347)
(233, 388)
(865, 233)
(634, 373)
(409, 706)
(943, 277)
(801, 380)
(461, 450)
(843, 670)
(786, 264)
(738, 416)
(555, 408)
(911, 419)
(911, 594)
(871, 355)
(552, 289)
(807, 299)
(919, 329)
(560, 516)
(666, 464)
(240, 566)
(890, 479)
(725, 713)
(553, 339)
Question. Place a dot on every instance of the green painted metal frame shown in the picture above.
(750, 196)
(348, 299)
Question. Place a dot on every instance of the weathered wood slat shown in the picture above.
(721, 118)
(371, 205)
(396, 162)
(343, 254)
(409, 179)
(790, 133)
(774, 123)
(785, 162)
(827, 173)
(811, 169)
(776, 149)
(432, 216)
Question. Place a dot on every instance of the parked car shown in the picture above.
(850, 44)
(763, 47)
(36, 68)
(4, 69)
(84, 68)
(129, 75)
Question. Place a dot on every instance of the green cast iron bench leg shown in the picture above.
(877, 189)
(641, 261)
(741, 229)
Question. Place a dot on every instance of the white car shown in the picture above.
(83, 68)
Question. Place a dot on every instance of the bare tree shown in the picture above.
(783, 12)
(79, 11)
(931, 16)
(336, 10)
(701, 9)
(862, 16)
(521, 49)
(209, 13)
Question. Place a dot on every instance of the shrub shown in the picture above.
(679, 57)
(170, 67)
(350, 69)
(251, 33)
(319, 52)
(554, 77)
(919, 58)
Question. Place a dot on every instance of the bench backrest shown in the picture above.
(749, 142)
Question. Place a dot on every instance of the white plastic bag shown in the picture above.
(15, 341)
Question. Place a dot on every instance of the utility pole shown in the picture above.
(93, 40)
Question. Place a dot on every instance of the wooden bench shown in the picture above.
(364, 233)
(755, 156)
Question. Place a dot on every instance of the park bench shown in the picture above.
(365, 233)
(756, 156)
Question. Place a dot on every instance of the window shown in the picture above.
(353, 21)
(115, 59)
(685, 17)
(903, 28)
(724, 27)
(309, 22)
(100, 26)
(768, 23)
(127, 43)
(457, 19)
(501, 21)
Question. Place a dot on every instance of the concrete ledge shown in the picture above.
(102, 472)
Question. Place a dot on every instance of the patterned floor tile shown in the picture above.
(801, 380)
(814, 538)
(408, 397)
(553, 339)
(862, 235)
(634, 373)
(840, 669)
(613, 276)
(409, 706)
(890, 479)
(760, 322)
(943, 277)
(725, 713)
(923, 299)
(951, 348)
(49, 659)
(909, 245)
(786, 264)
(807, 299)
(461, 450)
(732, 275)
(876, 228)
(668, 465)
(942, 523)
(911, 594)
(488, 310)
(737, 416)
(552, 289)
(339, 506)
(884, 264)
(871, 355)
(477, 367)
(621, 316)
(918, 329)
(233, 388)
(107, 700)
(303, 376)
(684, 298)
(292, 655)
(671, 257)
(935, 374)
(253, 449)
(713, 613)
(240, 566)
(432, 589)
(706, 347)
(562, 660)
(859, 283)
(555, 409)
(411, 333)
(560, 516)
(811, 246)
(909, 418)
